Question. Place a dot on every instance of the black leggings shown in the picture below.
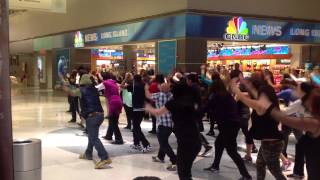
(186, 154)
(244, 128)
(312, 149)
(113, 128)
(227, 138)
(138, 135)
(129, 112)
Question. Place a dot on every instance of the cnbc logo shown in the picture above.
(237, 30)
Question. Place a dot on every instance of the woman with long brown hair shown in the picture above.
(311, 125)
(225, 111)
(264, 127)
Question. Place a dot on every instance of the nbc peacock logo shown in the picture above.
(237, 30)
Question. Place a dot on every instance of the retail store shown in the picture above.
(251, 57)
(112, 58)
(185, 41)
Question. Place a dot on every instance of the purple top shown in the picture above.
(111, 92)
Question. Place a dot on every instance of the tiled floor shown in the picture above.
(41, 114)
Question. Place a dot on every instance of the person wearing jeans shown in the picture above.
(163, 135)
(93, 124)
(165, 125)
(92, 111)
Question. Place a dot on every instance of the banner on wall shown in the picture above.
(221, 28)
(167, 56)
(63, 63)
(231, 28)
(158, 28)
(41, 69)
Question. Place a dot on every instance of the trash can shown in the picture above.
(27, 159)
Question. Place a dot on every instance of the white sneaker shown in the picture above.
(146, 149)
(135, 147)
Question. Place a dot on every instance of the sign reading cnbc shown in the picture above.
(237, 30)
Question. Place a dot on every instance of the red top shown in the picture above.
(153, 88)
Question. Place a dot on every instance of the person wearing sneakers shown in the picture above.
(165, 125)
(225, 110)
(92, 111)
(244, 113)
(182, 107)
(127, 99)
(111, 92)
(193, 82)
(138, 98)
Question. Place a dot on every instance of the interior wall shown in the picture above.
(49, 62)
(21, 47)
(284, 8)
(27, 70)
(296, 60)
(311, 54)
(87, 13)
(80, 57)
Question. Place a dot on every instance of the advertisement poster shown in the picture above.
(63, 63)
(41, 69)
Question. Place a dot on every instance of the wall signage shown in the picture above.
(237, 30)
(251, 29)
(78, 39)
(93, 37)
(194, 25)
(114, 34)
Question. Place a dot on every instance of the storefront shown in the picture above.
(185, 41)
(112, 58)
(251, 57)
(109, 57)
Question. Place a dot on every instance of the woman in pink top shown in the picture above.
(111, 92)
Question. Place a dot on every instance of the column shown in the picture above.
(6, 157)
(191, 54)
(130, 58)
(296, 59)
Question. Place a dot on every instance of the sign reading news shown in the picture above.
(226, 28)
(250, 29)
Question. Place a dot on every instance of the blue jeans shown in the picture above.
(93, 123)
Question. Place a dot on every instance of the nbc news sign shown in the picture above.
(237, 30)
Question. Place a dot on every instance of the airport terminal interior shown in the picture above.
(181, 71)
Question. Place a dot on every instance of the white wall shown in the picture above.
(87, 13)
(308, 9)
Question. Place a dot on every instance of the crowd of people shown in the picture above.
(264, 111)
